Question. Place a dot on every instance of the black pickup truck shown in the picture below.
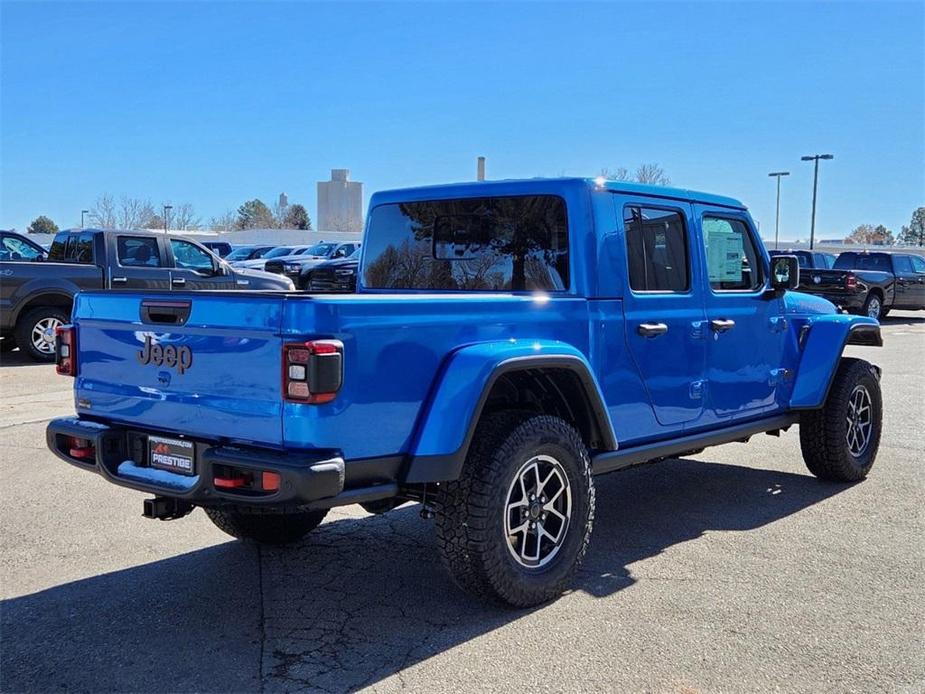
(871, 284)
(36, 293)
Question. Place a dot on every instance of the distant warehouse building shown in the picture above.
(340, 203)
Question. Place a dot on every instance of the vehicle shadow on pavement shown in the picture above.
(359, 600)
(902, 320)
(18, 358)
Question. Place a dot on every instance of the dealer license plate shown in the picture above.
(175, 455)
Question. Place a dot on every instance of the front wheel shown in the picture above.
(516, 524)
(840, 441)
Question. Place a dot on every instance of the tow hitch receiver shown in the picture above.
(166, 508)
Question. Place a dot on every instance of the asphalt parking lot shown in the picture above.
(730, 571)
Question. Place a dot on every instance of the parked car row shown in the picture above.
(39, 285)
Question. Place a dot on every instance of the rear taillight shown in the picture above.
(313, 371)
(81, 448)
(66, 350)
(851, 282)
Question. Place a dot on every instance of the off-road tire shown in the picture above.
(28, 321)
(823, 432)
(470, 511)
(266, 528)
(871, 298)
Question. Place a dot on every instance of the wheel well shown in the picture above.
(554, 391)
(877, 291)
(58, 300)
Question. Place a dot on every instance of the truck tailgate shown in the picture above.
(215, 375)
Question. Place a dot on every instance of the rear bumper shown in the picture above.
(307, 480)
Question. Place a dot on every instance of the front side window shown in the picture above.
(138, 251)
(733, 262)
(189, 256)
(902, 263)
(656, 250)
(516, 243)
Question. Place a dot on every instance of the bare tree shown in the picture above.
(652, 173)
(103, 212)
(645, 173)
(621, 173)
(224, 222)
(184, 217)
(134, 213)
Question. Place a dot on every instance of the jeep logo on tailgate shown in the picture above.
(170, 356)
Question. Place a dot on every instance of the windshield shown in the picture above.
(322, 249)
(277, 252)
(12, 248)
(240, 253)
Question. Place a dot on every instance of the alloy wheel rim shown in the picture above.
(873, 308)
(860, 421)
(538, 511)
(43, 334)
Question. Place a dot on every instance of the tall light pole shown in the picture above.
(814, 158)
(82, 213)
(778, 174)
(167, 209)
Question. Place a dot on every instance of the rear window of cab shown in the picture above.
(512, 243)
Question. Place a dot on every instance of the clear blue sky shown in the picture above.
(217, 103)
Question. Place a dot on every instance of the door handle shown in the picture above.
(119, 279)
(178, 281)
(652, 329)
(720, 325)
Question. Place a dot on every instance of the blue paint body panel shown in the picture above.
(416, 364)
(823, 346)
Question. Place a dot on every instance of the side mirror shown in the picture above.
(785, 272)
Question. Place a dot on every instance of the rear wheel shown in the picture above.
(7, 344)
(35, 331)
(873, 306)
(266, 528)
(516, 524)
(840, 441)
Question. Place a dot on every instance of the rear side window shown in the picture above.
(517, 243)
(656, 250)
(138, 251)
(918, 264)
(72, 248)
(733, 263)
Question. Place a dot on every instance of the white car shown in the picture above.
(295, 264)
(278, 252)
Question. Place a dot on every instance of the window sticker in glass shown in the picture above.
(733, 263)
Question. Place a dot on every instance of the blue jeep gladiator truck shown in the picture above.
(508, 341)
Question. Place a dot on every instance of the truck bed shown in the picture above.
(232, 389)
